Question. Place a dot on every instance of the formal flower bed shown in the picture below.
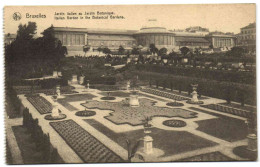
(88, 148)
(174, 123)
(134, 115)
(164, 94)
(174, 104)
(50, 117)
(226, 109)
(116, 93)
(85, 113)
(41, 104)
(197, 102)
(108, 98)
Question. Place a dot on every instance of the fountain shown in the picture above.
(55, 113)
(55, 110)
(194, 99)
(134, 100)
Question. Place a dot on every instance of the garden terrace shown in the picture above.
(227, 109)
(123, 113)
(41, 104)
(163, 94)
(88, 148)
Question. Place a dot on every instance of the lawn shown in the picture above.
(72, 98)
(171, 142)
(223, 127)
(123, 113)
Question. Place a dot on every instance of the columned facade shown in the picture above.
(75, 38)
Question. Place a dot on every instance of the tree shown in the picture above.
(153, 49)
(106, 50)
(237, 52)
(135, 51)
(99, 49)
(19, 50)
(121, 50)
(162, 52)
(184, 50)
(85, 49)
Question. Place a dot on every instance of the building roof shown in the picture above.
(191, 34)
(148, 30)
(251, 25)
(191, 39)
(109, 38)
(95, 30)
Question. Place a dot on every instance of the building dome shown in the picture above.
(153, 30)
(152, 26)
(154, 33)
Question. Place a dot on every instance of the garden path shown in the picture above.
(12, 143)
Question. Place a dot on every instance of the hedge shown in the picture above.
(218, 75)
(217, 89)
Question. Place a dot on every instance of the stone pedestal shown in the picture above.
(194, 96)
(252, 142)
(127, 85)
(55, 74)
(134, 101)
(55, 111)
(81, 79)
(74, 79)
(148, 145)
(58, 91)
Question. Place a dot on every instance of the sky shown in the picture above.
(216, 17)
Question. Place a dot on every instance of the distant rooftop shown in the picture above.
(251, 25)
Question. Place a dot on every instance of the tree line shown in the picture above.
(29, 54)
